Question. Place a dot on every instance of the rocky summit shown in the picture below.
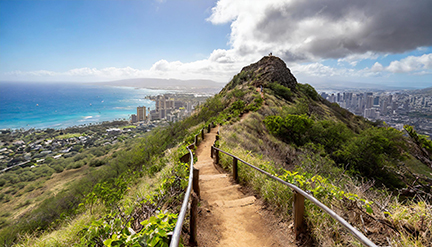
(272, 69)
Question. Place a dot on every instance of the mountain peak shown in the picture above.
(271, 69)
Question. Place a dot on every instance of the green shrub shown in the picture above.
(79, 157)
(96, 163)
(28, 176)
(256, 105)
(330, 134)
(281, 91)
(239, 105)
(308, 90)
(237, 93)
(371, 153)
(97, 152)
(75, 165)
(57, 168)
(29, 188)
(420, 140)
(292, 128)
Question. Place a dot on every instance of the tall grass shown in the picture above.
(392, 221)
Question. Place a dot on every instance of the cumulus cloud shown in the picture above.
(377, 67)
(299, 30)
(411, 63)
(304, 33)
(417, 65)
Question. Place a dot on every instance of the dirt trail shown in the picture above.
(228, 217)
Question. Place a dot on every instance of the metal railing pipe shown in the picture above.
(175, 239)
(356, 233)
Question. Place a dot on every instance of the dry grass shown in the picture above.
(391, 223)
(68, 233)
(24, 200)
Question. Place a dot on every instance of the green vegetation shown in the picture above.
(67, 136)
(103, 178)
(349, 163)
(420, 140)
(309, 91)
(281, 91)
(127, 191)
(369, 153)
(128, 127)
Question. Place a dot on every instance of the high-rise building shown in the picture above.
(141, 113)
(369, 101)
(133, 118)
(376, 100)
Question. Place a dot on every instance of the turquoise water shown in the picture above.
(61, 105)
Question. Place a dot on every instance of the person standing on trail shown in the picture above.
(261, 88)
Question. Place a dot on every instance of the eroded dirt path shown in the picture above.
(228, 217)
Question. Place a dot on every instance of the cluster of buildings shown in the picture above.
(395, 108)
(19, 153)
(38, 150)
(169, 107)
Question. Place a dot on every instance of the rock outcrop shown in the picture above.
(271, 69)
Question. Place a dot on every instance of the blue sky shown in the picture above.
(322, 41)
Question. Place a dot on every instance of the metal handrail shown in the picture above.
(362, 238)
(175, 239)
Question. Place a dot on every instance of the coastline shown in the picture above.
(60, 106)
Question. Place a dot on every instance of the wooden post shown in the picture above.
(193, 220)
(217, 157)
(298, 211)
(211, 152)
(208, 128)
(235, 169)
(196, 140)
(195, 181)
(202, 134)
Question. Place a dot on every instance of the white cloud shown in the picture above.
(377, 67)
(353, 59)
(411, 63)
(304, 33)
(299, 30)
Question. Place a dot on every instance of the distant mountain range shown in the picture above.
(424, 91)
(194, 86)
(338, 85)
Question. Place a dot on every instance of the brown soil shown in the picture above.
(227, 216)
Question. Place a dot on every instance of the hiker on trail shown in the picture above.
(261, 88)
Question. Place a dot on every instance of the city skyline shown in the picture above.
(395, 108)
(385, 43)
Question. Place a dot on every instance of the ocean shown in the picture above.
(61, 105)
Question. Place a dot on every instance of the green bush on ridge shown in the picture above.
(367, 153)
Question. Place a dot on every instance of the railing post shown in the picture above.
(202, 133)
(195, 182)
(217, 157)
(211, 152)
(193, 220)
(208, 128)
(298, 211)
(235, 169)
(196, 140)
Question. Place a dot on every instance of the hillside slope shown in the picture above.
(376, 177)
(368, 172)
